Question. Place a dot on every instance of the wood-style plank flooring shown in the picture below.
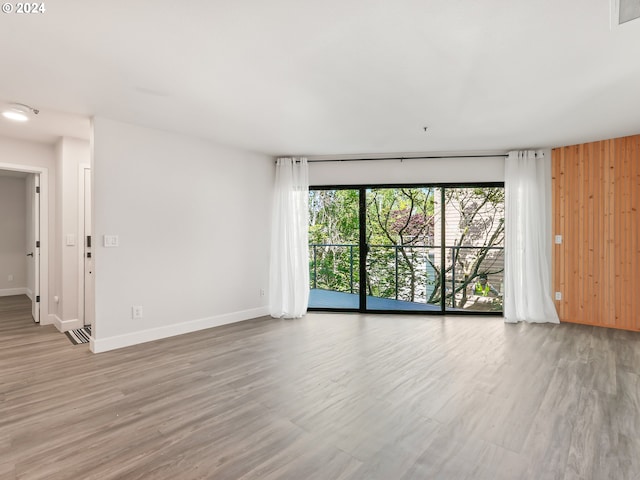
(329, 396)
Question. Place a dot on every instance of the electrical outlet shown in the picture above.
(10, 278)
(558, 296)
(111, 241)
(136, 312)
(262, 292)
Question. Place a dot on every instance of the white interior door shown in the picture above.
(88, 259)
(34, 260)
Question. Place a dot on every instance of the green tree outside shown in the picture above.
(404, 260)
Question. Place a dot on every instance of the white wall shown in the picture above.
(192, 220)
(27, 155)
(71, 153)
(13, 260)
(454, 170)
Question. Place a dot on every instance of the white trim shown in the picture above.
(81, 241)
(44, 232)
(7, 292)
(134, 338)
(50, 319)
(64, 325)
(614, 16)
(29, 293)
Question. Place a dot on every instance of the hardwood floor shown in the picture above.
(330, 396)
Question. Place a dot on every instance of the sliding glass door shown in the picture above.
(334, 248)
(418, 248)
(401, 247)
(473, 248)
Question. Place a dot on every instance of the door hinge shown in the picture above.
(37, 189)
(37, 243)
(37, 298)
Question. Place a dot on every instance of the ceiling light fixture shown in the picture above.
(19, 112)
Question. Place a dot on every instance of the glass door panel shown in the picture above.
(334, 250)
(474, 249)
(402, 261)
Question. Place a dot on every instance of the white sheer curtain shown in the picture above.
(528, 239)
(289, 272)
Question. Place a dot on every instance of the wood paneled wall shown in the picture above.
(596, 197)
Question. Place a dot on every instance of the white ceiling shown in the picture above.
(334, 76)
(46, 127)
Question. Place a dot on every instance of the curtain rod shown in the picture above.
(406, 158)
(504, 155)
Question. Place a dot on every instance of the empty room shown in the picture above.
(320, 240)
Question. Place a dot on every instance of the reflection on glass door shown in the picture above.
(474, 249)
(334, 249)
(402, 251)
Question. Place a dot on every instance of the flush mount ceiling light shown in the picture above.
(19, 112)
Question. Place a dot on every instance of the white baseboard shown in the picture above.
(134, 338)
(7, 292)
(49, 320)
(65, 325)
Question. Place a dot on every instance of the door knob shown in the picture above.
(30, 254)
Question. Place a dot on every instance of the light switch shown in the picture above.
(111, 241)
(71, 239)
(558, 239)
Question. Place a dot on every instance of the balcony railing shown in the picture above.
(349, 249)
(334, 266)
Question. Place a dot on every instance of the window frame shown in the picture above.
(362, 189)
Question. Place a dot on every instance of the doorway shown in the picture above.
(20, 241)
(85, 262)
(35, 249)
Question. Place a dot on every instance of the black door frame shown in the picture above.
(363, 247)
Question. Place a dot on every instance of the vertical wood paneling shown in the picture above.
(556, 220)
(596, 195)
(592, 218)
(635, 206)
(610, 237)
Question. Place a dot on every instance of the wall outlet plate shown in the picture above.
(558, 296)
(111, 241)
(136, 312)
